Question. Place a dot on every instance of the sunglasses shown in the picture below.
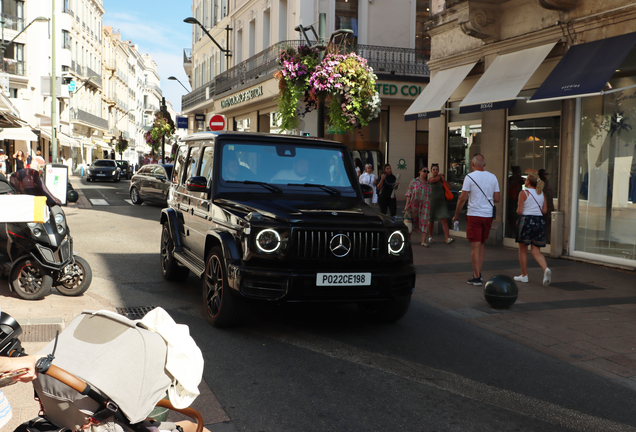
(425, 171)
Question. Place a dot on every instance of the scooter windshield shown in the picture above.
(28, 181)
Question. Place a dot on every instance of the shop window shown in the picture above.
(373, 136)
(464, 141)
(421, 152)
(606, 172)
(533, 147)
(347, 18)
(422, 40)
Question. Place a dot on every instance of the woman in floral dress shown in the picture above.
(418, 203)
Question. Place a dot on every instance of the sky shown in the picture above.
(157, 27)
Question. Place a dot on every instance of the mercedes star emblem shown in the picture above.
(340, 245)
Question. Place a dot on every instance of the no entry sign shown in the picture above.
(217, 123)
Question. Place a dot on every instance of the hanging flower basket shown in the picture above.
(161, 127)
(345, 82)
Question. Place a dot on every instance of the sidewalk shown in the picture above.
(586, 317)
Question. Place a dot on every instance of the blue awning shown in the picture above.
(585, 69)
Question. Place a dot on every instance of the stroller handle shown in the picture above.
(84, 388)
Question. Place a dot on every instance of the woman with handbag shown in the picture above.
(439, 206)
(530, 230)
(418, 203)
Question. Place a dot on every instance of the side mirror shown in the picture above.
(161, 178)
(367, 191)
(197, 184)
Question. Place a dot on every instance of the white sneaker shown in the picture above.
(521, 278)
(547, 277)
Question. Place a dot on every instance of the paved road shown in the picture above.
(323, 368)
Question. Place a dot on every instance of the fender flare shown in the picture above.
(226, 241)
(172, 218)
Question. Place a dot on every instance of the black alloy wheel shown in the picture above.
(78, 279)
(170, 268)
(222, 307)
(29, 282)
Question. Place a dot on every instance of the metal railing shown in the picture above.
(86, 117)
(387, 60)
(91, 73)
(12, 22)
(13, 67)
(187, 55)
(154, 87)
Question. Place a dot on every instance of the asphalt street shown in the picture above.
(324, 368)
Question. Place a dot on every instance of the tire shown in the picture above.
(80, 281)
(170, 268)
(387, 311)
(29, 282)
(222, 308)
(134, 196)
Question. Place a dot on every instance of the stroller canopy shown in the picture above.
(119, 359)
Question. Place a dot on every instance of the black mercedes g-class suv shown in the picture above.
(280, 218)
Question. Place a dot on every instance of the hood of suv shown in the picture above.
(298, 211)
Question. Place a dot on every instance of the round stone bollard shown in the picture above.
(501, 291)
(72, 196)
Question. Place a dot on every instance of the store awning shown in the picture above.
(18, 134)
(8, 120)
(429, 104)
(63, 139)
(500, 85)
(585, 69)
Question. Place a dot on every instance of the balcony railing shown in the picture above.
(86, 117)
(13, 22)
(154, 87)
(13, 67)
(96, 77)
(187, 55)
(383, 60)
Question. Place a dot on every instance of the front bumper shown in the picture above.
(101, 176)
(300, 286)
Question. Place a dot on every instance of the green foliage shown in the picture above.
(162, 127)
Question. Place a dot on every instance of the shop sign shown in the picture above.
(331, 130)
(182, 122)
(242, 97)
(407, 90)
(199, 117)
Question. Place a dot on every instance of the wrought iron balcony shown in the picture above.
(153, 86)
(383, 60)
(187, 55)
(13, 67)
(91, 119)
(12, 22)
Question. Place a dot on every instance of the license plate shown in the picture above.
(101, 175)
(345, 279)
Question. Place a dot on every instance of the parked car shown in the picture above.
(280, 218)
(151, 183)
(126, 169)
(103, 169)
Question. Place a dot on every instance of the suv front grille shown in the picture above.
(315, 244)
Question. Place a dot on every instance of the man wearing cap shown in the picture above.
(3, 162)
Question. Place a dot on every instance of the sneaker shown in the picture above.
(547, 277)
(521, 278)
(430, 240)
(475, 281)
(450, 240)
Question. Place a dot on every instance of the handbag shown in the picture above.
(447, 192)
(494, 208)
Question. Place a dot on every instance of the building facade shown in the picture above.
(236, 80)
(544, 86)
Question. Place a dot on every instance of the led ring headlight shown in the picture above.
(268, 240)
(396, 242)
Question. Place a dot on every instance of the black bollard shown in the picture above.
(501, 291)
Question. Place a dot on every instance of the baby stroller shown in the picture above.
(106, 373)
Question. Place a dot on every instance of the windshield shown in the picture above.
(290, 165)
(105, 163)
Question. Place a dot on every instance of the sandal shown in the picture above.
(450, 240)
(425, 244)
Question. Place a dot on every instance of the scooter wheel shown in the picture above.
(80, 281)
(29, 282)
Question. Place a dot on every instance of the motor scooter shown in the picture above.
(38, 256)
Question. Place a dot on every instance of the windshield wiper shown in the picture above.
(267, 186)
(331, 190)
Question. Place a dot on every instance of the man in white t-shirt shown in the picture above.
(481, 190)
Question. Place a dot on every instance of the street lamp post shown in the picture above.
(173, 78)
(192, 20)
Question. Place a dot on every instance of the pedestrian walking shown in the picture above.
(368, 178)
(439, 205)
(481, 190)
(532, 205)
(3, 162)
(386, 185)
(19, 159)
(418, 204)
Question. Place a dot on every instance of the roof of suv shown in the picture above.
(210, 135)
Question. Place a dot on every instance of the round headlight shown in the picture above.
(60, 229)
(59, 218)
(396, 242)
(114, 172)
(268, 240)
